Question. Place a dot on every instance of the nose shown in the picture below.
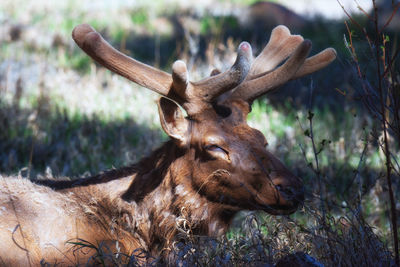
(294, 194)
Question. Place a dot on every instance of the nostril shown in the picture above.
(279, 187)
(291, 193)
(285, 189)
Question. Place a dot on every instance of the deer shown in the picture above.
(213, 166)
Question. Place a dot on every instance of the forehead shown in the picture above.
(228, 120)
(229, 112)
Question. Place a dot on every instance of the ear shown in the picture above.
(173, 121)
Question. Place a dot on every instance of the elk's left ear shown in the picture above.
(172, 120)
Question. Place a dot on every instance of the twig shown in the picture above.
(386, 142)
(391, 17)
(356, 23)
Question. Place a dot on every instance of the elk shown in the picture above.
(213, 166)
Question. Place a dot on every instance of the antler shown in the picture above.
(264, 76)
(193, 96)
(249, 81)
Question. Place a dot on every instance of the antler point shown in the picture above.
(282, 29)
(79, 33)
(244, 46)
(332, 51)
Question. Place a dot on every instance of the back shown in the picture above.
(34, 222)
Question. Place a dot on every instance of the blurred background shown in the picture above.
(61, 114)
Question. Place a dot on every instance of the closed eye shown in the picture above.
(217, 152)
(215, 148)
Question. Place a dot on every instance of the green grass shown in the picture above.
(140, 17)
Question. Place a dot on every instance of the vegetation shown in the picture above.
(63, 115)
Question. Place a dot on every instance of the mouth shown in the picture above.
(280, 210)
(283, 204)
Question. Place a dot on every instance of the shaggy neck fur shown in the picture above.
(150, 201)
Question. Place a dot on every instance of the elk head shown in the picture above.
(229, 163)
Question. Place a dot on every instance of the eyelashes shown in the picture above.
(215, 148)
(217, 152)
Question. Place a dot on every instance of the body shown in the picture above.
(41, 219)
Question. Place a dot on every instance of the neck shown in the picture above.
(166, 198)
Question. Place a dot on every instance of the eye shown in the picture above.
(217, 152)
(215, 148)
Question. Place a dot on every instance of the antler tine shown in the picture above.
(96, 47)
(280, 45)
(180, 77)
(210, 88)
(316, 62)
(263, 76)
(253, 88)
